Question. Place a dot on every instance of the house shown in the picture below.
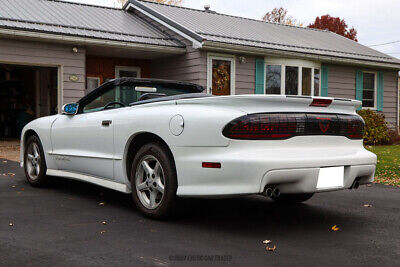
(54, 52)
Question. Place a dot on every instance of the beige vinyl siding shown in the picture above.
(342, 83)
(245, 76)
(24, 52)
(390, 97)
(189, 67)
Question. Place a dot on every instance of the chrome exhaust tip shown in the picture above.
(268, 192)
(276, 192)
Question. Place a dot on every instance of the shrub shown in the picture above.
(376, 130)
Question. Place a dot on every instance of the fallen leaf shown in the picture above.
(11, 224)
(104, 222)
(267, 241)
(11, 174)
(101, 204)
(103, 232)
(272, 249)
(367, 205)
(4, 161)
(335, 228)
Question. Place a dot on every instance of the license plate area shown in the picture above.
(330, 177)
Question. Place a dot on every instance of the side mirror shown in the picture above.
(70, 109)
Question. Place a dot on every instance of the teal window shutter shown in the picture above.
(359, 85)
(260, 76)
(379, 98)
(324, 81)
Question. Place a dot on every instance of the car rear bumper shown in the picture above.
(293, 166)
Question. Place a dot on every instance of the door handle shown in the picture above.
(106, 123)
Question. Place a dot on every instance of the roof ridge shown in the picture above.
(83, 4)
(233, 16)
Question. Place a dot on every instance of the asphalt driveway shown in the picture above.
(72, 223)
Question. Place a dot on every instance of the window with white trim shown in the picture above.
(369, 90)
(125, 71)
(292, 77)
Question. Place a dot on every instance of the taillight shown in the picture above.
(269, 126)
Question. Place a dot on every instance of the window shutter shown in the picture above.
(324, 81)
(260, 76)
(379, 98)
(359, 85)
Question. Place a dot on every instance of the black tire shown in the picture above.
(150, 153)
(292, 198)
(36, 179)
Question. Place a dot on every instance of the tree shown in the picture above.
(168, 2)
(334, 24)
(280, 15)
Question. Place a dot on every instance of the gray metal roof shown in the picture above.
(66, 18)
(255, 33)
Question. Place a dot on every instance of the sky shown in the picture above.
(376, 21)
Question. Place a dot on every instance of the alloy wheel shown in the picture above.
(150, 182)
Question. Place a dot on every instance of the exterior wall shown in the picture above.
(342, 83)
(390, 97)
(104, 67)
(53, 55)
(245, 80)
(189, 67)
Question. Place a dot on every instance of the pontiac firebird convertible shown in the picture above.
(160, 140)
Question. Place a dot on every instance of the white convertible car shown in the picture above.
(160, 140)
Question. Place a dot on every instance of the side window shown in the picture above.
(124, 94)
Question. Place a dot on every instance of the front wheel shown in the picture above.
(34, 162)
(292, 198)
(153, 180)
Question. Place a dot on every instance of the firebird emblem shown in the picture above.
(324, 124)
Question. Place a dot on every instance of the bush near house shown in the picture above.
(376, 130)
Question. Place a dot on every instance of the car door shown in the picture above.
(84, 143)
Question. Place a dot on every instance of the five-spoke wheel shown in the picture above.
(153, 180)
(34, 163)
(150, 182)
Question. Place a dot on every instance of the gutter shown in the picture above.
(20, 34)
(258, 51)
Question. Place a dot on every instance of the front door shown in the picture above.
(221, 70)
(84, 143)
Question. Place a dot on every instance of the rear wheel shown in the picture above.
(34, 162)
(292, 198)
(153, 180)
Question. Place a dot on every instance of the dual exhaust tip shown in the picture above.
(272, 192)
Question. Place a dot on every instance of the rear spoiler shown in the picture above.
(318, 101)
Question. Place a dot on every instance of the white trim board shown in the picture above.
(195, 43)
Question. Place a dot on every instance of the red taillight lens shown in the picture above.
(320, 102)
(270, 126)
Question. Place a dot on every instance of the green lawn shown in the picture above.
(388, 168)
